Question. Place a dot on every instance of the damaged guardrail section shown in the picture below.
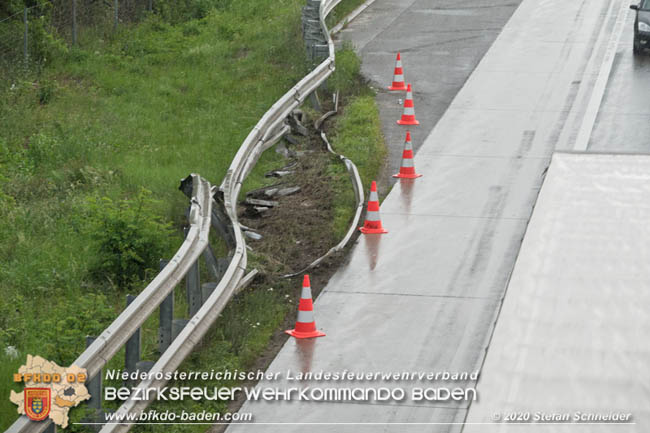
(356, 185)
(209, 206)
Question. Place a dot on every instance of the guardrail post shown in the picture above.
(206, 290)
(177, 327)
(315, 103)
(144, 366)
(193, 290)
(132, 349)
(211, 261)
(218, 221)
(222, 267)
(166, 317)
(193, 287)
(74, 22)
(94, 384)
(25, 36)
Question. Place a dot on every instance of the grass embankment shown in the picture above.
(252, 323)
(142, 109)
(356, 134)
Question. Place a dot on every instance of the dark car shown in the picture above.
(641, 26)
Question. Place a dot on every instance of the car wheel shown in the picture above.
(636, 47)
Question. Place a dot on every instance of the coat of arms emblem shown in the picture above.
(37, 403)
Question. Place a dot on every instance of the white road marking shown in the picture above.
(589, 119)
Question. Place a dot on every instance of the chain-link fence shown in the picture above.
(29, 36)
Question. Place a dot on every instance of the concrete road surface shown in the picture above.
(570, 350)
(441, 42)
(623, 121)
(425, 296)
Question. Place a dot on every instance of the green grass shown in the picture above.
(143, 108)
(9, 366)
(356, 134)
(341, 11)
(241, 333)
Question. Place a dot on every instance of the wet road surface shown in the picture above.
(425, 296)
(623, 122)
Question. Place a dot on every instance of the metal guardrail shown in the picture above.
(359, 199)
(268, 130)
(127, 323)
(113, 338)
(356, 185)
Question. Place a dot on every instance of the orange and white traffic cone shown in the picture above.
(373, 220)
(408, 118)
(398, 76)
(305, 323)
(407, 169)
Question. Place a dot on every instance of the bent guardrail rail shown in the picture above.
(358, 197)
(269, 129)
(357, 186)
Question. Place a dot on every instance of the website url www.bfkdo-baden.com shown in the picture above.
(172, 417)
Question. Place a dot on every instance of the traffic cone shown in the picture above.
(305, 324)
(407, 170)
(408, 118)
(373, 220)
(398, 76)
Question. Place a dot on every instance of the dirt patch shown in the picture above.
(298, 229)
(295, 233)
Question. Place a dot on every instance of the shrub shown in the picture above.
(129, 239)
(44, 46)
(64, 332)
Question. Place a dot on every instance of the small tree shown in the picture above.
(129, 239)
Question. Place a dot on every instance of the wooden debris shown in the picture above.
(288, 191)
(278, 173)
(257, 202)
(265, 191)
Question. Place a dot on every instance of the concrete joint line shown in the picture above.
(414, 295)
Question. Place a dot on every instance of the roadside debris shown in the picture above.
(279, 173)
(282, 149)
(288, 191)
(257, 202)
(296, 125)
(284, 171)
(280, 189)
(261, 210)
(252, 235)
